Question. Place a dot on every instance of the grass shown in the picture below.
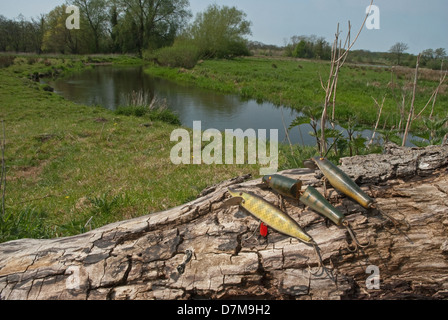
(296, 83)
(71, 168)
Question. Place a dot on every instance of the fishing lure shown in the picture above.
(285, 186)
(343, 183)
(271, 216)
(313, 199)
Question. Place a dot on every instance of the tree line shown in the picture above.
(308, 47)
(313, 47)
(161, 30)
(106, 26)
(130, 26)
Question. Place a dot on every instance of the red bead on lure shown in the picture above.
(263, 229)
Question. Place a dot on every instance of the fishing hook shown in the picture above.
(187, 258)
(357, 244)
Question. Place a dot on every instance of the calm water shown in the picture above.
(109, 86)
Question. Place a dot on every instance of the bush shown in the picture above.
(136, 111)
(180, 55)
(164, 115)
(156, 114)
(234, 49)
(141, 104)
(6, 61)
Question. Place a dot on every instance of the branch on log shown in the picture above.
(139, 258)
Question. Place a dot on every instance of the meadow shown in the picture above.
(71, 168)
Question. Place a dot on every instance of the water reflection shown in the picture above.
(110, 86)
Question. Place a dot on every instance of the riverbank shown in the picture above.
(296, 83)
(71, 168)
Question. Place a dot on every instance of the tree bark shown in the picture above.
(139, 258)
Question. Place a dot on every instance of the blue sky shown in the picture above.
(420, 24)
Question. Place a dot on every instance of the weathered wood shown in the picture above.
(138, 259)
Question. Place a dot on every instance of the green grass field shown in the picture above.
(71, 168)
(296, 83)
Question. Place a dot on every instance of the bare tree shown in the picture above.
(398, 49)
(339, 54)
(412, 111)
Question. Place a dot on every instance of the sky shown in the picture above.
(420, 24)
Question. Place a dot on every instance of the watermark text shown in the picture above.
(373, 281)
(373, 20)
(234, 152)
(72, 21)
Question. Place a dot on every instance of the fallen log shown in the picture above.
(140, 258)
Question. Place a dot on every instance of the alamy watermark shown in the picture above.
(72, 22)
(234, 153)
(373, 20)
(373, 281)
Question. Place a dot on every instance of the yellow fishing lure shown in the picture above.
(269, 214)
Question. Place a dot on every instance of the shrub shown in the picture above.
(6, 61)
(164, 115)
(219, 32)
(180, 55)
(140, 104)
(137, 111)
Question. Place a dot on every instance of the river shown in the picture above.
(109, 87)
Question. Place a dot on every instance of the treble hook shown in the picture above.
(357, 244)
(319, 258)
(187, 259)
(252, 233)
(395, 222)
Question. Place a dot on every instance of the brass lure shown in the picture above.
(270, 215)
(285, 186)
(342, 182)
(313, 199)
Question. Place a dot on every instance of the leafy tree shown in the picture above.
(309, 47)
(150, 23)
(22, 35)
(440, 53)
(57, 38)
(37, 27)
(322, 49)
(301, 50)
(3, 33)
(114, 29)
(433, 59)
(220, 31)
(94, 12)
